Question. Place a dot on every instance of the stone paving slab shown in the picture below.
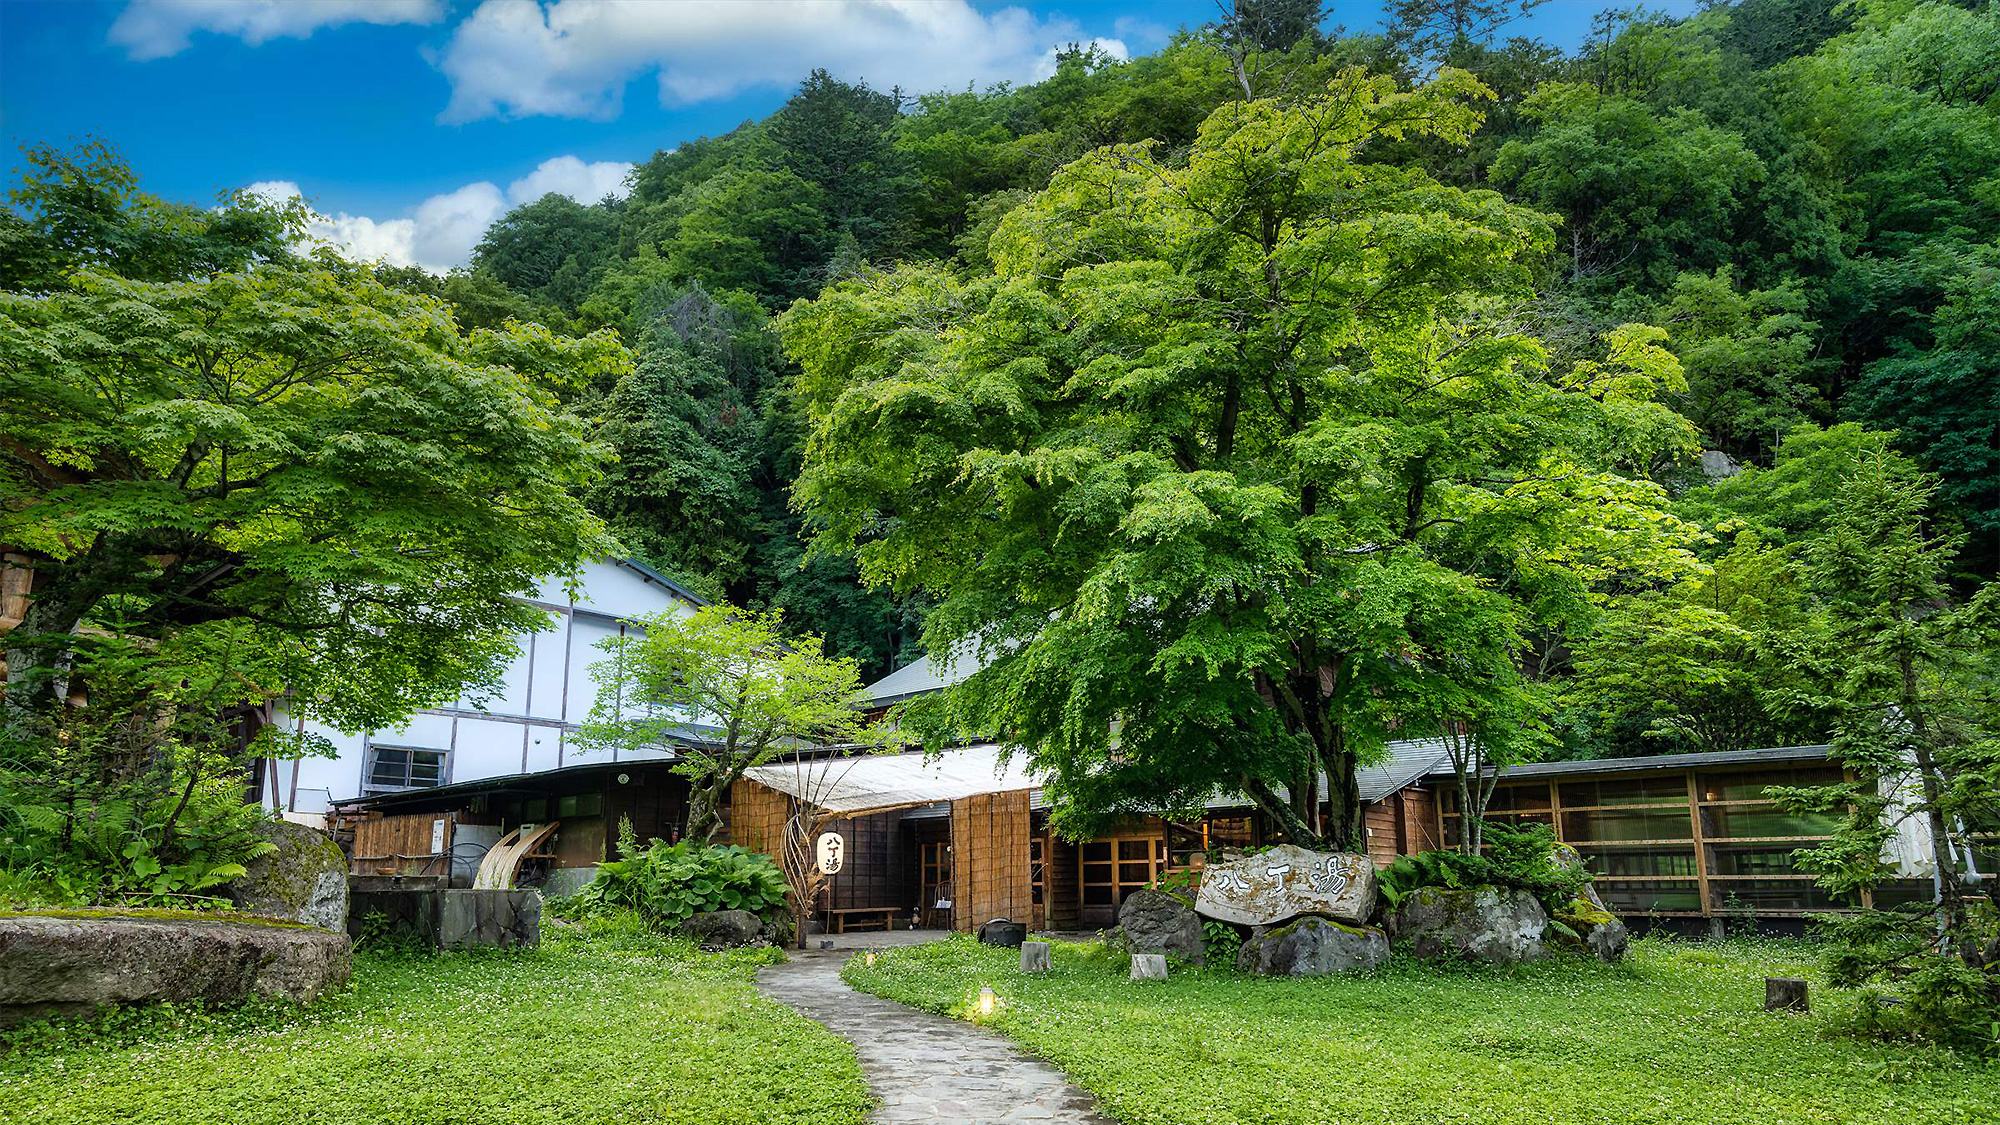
(924, 1067)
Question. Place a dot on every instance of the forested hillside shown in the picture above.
(1803, 195)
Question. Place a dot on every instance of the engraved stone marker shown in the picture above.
(1285, 882)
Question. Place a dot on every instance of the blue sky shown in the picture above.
(412, 123)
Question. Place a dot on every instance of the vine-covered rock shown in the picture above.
(1313, 947)
(1497, 925)
(304, 880)
(1159, 922)
(1587, 925)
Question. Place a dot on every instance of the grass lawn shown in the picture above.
(616, 1027)
(1677, 1034)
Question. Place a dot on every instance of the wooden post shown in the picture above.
(1149, 966)
(1035, 957)
(1785, 994)
(1700, 845)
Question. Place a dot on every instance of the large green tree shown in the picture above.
(296, 448)
(1232, 465)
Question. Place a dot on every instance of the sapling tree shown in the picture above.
(723, 689)
(1918, 726)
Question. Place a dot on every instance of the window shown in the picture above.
(1037, 868)
(401, 767)
(1116, 866)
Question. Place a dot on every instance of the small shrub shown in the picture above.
(666, 884)
(1220, 941)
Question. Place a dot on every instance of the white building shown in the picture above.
(526, 729)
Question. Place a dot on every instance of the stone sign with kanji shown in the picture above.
(1285, 882)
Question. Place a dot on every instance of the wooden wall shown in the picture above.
(990, 869)
(879, 870)
(757, 815)
(1060, 885)
(1402, 823)
(401, 844)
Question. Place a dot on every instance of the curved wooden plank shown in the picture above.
(498, 867)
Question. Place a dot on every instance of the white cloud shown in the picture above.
(154, 29)
(566, 175)
(572, 58)
(443, 230)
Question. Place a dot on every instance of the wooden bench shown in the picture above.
(841, 921)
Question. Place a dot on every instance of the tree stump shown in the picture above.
(1035, 957)
(1149, 966)
(1785, 994)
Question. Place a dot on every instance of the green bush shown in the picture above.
(67, 838)
(666, 884)
(1522, 857)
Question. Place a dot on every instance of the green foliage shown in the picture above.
(1917, 724)
(1201, 477)
(1716, 663)
(1649, 1040)
(1220, 941)
(666, 884)
(762, 691)
(82, 211)
(603, 1001)
(1523, 856)
(551, 250)
(237, 475)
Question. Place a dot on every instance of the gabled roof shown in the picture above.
(651, 575)
(1405, 763)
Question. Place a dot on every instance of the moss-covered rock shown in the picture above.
(304, 879)
(1587, 926)
(53, 966)
(1158, 922)
(1497, 925)
(1313, 947)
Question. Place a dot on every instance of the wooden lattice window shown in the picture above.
(1115, 866)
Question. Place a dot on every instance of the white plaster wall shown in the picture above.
(547, 683)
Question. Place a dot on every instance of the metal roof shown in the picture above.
(878, 783)
(1405, 763)
(651, 575)
(919, 677)
(1774, 754)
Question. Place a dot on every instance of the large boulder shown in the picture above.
(1497, 925)
(1285, 882)
(51, 966)
(1157, 922)
(1313, 947)
(723, 929)
(304, 880)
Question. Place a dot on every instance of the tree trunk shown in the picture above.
(1951, 896)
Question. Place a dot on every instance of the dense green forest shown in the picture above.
(1804, 195)
(1781, 216)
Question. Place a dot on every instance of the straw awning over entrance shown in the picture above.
(879, 783)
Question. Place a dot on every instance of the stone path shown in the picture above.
(924, 1067)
